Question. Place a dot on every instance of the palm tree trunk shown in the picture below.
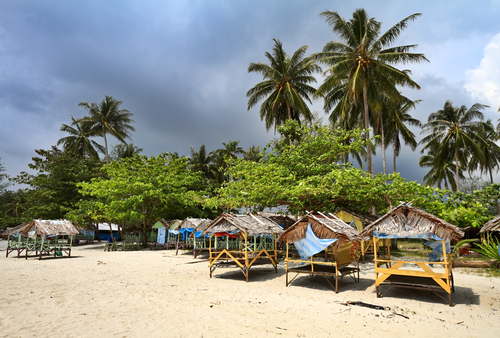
(456, 170)
(395, 153)
(106, 145)
(289, 114)
(367, 126)
(383, 145)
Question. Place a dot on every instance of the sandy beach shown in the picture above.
(154, 293)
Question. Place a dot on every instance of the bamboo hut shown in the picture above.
(360, 221)
(405, 221)
(49, 237)
(284, 221)
(161, 237)
(173, 233)
(327, 234)
(198, 241)
(255, 237)
(15, 240)
(492, 225)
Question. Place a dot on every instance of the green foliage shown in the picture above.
(302, 171)
(456, 250)
(143, 189)
(489, 248)
(53, 191)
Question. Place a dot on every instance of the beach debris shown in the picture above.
(214, 303)
(371, 306)
(100, 262)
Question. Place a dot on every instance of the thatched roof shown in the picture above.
(493, 225)
(17, 229)
(363, 217)
(50, 227)
(174, 225)
(324, 227)
(405, 220)
(199, 224)
(283, 220)
(252, 224)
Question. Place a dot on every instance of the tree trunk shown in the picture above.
(106, 145)
(383, 145)
(367, 127)
(457, 179)
(395, 152)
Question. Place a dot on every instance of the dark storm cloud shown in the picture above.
(181, 67)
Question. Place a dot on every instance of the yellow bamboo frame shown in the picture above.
(393, 267)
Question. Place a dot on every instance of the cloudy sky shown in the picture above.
(181, 66)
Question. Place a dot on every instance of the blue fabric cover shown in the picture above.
(311, 245)
(437, 249)
(421, 236)
(185, 232)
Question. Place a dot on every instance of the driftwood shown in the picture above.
(469, 263)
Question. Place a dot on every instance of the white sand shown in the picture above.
(157, 294)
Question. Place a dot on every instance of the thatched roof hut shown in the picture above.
(16, 230)
(252, 224)
(284, 221)
(406, 221)
(493, 225)
(361, 220)
(50, 227)
(198, 224)
(324, 227)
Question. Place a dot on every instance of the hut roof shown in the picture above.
(324, 227)
(199, 224)
(252, 224)
(17, 229)
(174, 225)
(284, 221)
(363, 217)
(492, 225)
(406, 220)
(50, 227)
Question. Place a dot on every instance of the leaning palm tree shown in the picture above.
(456, 130)
(364, 62)
(285, 87)
(107, 118)
(79, 140)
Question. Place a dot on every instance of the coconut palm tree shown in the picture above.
(364, 62)
(253, 154)
(285, 87)
(125, 151)
(441, 168)
(456, 130)
(396, 125)
(201, 161)
(79, 140)
(107, 118)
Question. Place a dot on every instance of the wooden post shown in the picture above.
(246, 254)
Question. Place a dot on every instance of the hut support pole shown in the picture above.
(388, 245)
(375, 260)
(286, 260)
(246, 254)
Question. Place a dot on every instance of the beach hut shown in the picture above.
(187, 228)
(284, 221)
(173, 233)
(199, 242)
(314, 234)
(161, 226)
(406, 221)
(49, 237)
(359, 220)
(15, 240)
(255, 239)
(107, 234)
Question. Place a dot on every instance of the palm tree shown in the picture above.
(79, 140)
(285, 86)
(201, 161)
(364, 62)
(108, 118)
(455, 130)
(396, 125)
(125, 151)
(253, 154)
(441, 168)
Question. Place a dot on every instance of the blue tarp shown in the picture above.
(311, 245)
(186, 232)
(107, 237)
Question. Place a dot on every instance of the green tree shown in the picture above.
(285, 87)
(201, 161)
(143, 189)
(254, 154)
(52, 188)
(362, 63)
(107, 118)
(79, 140)
(441, 168)
(3, 184)
(456, 130)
